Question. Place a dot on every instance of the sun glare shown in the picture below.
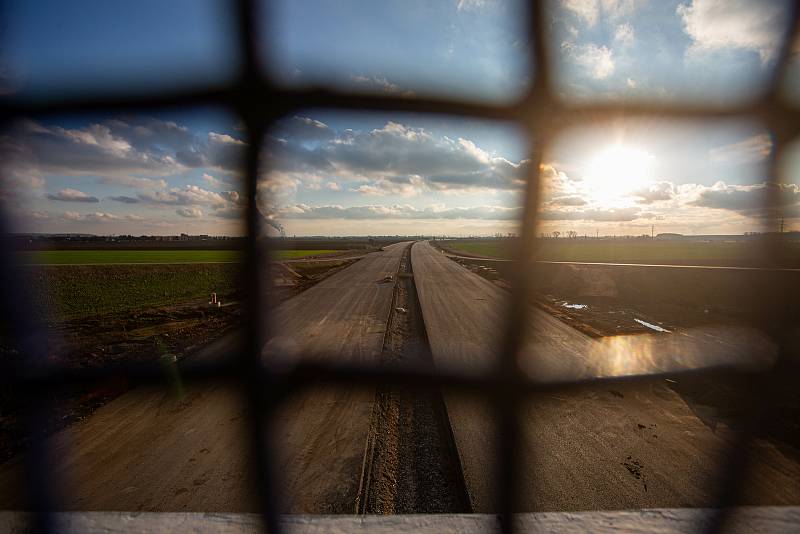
(616, 171)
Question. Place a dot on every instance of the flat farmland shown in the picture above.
(123, 257)
(95, 257)
(70, 292)
(655, 251)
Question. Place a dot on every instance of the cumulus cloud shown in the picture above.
(596, 61)
(191, 199)
(186, 196)
(191, 212)
(756, 200)
(72, 195)
(212, 181)
(392, 160)
(734, 24)
(131, 152)
(656, 192)
(399, 211)
(589, 11)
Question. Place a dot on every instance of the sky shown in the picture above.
(346, 173)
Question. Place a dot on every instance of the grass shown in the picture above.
(88, 257)
(632, 251)
(490, 249)
(70, 292)
(67, 285)
(98, 257)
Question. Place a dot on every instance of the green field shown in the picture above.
(75, 284)
(489, 249)
(69, 292)
(89, 257)
(99, 257)
(632, 251)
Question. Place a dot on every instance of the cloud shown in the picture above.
(404, 211)
(590, 11)
(587, 10)
(381, 84)
(619, 8)
(214, 182)
(596, 61)
(191, 213)
(190, 200)
(333, 186)
(134, 182)
(229, 212)
(734, 24)
(186, 196)
(568, 201)
(392, 160)
(594, 214)
(97, 216)
(406, 186)
(120, 151)
(624, 35)
(757, 200)
(466, 5)
(657, 192)
(305, 128)
(125, 199)
(72, 195)
(755, 148)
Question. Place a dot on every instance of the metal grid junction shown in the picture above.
(258, 103)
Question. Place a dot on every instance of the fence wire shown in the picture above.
(258, 102)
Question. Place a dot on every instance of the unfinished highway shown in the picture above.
(186, 449)
(637, 446)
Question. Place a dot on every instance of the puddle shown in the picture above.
(652, 326)
(574, 306)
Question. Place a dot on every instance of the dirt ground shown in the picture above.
(171, 333)
(603, 301)
(413, 465)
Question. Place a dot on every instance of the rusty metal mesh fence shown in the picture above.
(258, 102)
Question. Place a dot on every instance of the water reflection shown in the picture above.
(554, 355)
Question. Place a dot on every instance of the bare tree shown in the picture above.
(556, 233)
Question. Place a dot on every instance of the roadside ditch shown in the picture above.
(411, 463)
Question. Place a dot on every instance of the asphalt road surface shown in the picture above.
(640, 446)
(186, 449)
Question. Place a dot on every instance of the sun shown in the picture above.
(616, 171)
